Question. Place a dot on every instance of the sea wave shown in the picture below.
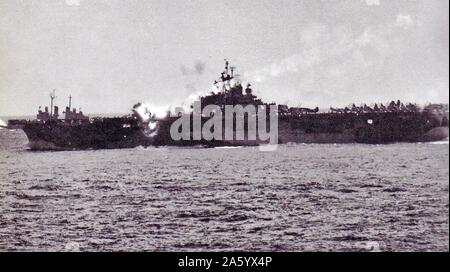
(445, 141)
(295, 198)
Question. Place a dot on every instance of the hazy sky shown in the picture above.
(110, 54)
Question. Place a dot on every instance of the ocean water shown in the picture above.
(298, 198)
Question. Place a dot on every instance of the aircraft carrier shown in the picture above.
(375, 124)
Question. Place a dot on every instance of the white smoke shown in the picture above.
(192, 97)
(158, 112)
(149, 112)
(195, 96)
(322, 44)
(151, 115)
(2, 124)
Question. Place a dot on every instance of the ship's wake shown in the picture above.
(2, 124)
(444, 141)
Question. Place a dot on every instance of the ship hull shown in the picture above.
(367, 128)
(109, 133)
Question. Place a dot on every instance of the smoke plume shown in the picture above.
(195, 70)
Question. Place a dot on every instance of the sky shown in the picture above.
(111, 54)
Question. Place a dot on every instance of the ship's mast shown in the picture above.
(70, 102)
(226, 77)
(226, 66)
(52, 97)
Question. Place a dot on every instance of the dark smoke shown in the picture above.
(197, 69)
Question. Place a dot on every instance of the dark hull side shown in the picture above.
(368, 128)
(377, 128)
(108, 134)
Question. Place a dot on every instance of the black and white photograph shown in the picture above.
(196, 126)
